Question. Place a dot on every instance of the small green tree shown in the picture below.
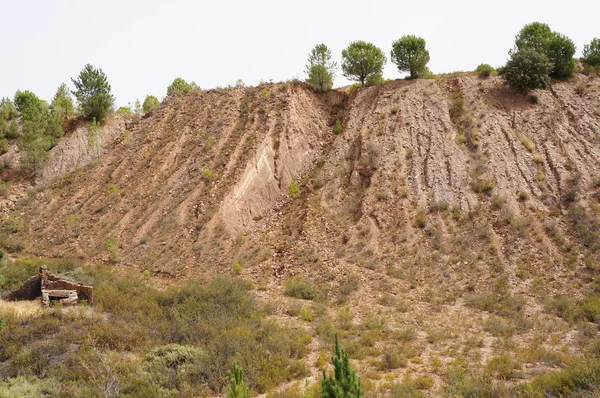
(137, 108)
(361, 60)
(535, 36)
(40, 130)
(557, 47)
(484, 70)
(410, 55)
(62, 104)
(527, 69)
(560, 52)
(13, 130)
(237, 388)
(344, 383)
(93, 93)
(320, 69)
(591, 53)
(150, 103)
(7, 109)
(180, 86)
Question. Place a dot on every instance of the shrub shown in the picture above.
(3, 146)
(300, 288)
(13, 130)
(93, 93)
(237, 268)
(294, 189)
(112, 247)
(180, 86)
(125, 110)
(173, 365)
(503, 367)
(560, 52)
(338, 126)
(62, 104)
(306, 315)
(361, 60)
(420, 219)
(410, 55)
(559, 49)
(7, 109)
(320, 69)
(591, 53)
(527, 69)
(375, 80)
(150, 103)
(485, 70)
(208, 176)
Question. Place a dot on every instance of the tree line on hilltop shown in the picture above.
(539, 54)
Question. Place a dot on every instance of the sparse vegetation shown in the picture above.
(131, 341)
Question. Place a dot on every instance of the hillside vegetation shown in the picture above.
(450, 226)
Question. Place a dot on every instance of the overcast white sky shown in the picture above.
(143, 45)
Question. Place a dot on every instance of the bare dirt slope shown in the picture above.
(435, 197)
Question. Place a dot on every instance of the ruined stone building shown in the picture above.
(52, 288)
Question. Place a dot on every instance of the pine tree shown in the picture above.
(362, 60)
(344, 383)
(93, 93)
(237, 388)
(320, 69)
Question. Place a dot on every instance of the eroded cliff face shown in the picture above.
(204, 180)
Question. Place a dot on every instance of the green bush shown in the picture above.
(124, 110)
(299, 287)
(338, 126)
(174, 365)
(180, 86)
(92, 91)
(62, 104)
(294, 189)
(559, 49)
(410, 55)
(3, 146)
(527, 69)
(7, 109)
(375, 80)
(361, 60)
(13, 130)
(150, 104)
(485, 70)
(591, 53)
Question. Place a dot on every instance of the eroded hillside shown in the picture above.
(443, 222)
